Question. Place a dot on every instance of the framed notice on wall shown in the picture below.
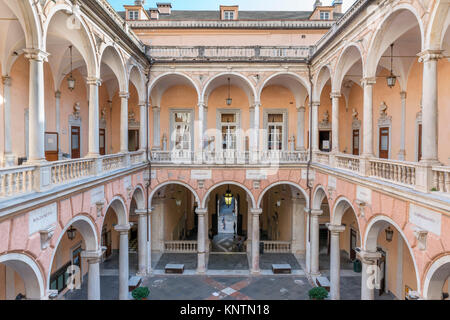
(51, 146)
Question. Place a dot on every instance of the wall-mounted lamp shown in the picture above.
(389, 234)
(71, 233)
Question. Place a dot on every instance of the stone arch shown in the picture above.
(139, 197)
(295, 185)
(221, 79)
(321, 79)
(88, 230)
(120, 208)
(345, 62)
(74, 31)
(292, 82)
(319, 195)
(341, 205)
(166, 80)
(373, 228)
(380, 41)
(437, 274)
(136, 78)
(156, 188)
(112, 57)
(29, 271)
(235, 183)
(438, 25)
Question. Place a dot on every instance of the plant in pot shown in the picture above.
(318, 293)
(140, 293)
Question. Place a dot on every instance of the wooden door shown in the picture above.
(133, 140)
(325, 141)
(102, 142)
(352, 244)
(419, 144)
(384, 143)
(356, 142)
(75, 142)
(51, 146)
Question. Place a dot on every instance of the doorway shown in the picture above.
(75, 142)
(133, 140)
(384, 143)
(102, 142)
(356, 142)
(419, 143)
(352, 244)
(325, 141)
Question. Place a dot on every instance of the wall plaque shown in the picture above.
(201, 174)
(425, 218)
(332, 182)
(256, 174)
(42, 218)
(312, 174)
(364, 194)
(97, 195)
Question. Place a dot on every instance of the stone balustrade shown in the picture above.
(441, 179)
(113, 162)
(400, 172)
(347, 162)
(68, 170)
(16, 180)
(323, 157)
(277, 246)
(182, 246)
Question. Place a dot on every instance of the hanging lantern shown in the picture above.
(392, 79)
(178, 202)
(228, 196)
(389, 234)
(229, 100)
(71, 233)
(71, 80)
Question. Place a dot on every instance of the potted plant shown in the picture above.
(140, 293)
(318, 293)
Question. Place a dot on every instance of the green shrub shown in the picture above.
(140, 293)
(318, 293)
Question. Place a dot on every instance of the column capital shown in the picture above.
(93, 81)
(36, 54)
(201, 211)
(257, 104)
(255, 211)
(300, 201)
(403, 95)
(335, 94)
(368, 81)
(142, 104)
(57, 94)
(315, 212)
(156, 108)
(6, 80)
(201, 104)
(92, 256)
(315, 104)
(368, 257)
(122, 228)
(335, 229)
(124, 95)
(301, 109)
(141, 211)
(429, 55)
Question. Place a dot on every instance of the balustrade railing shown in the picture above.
(113, 162)
(137, 157)
(323, 157)
(16, 180)
(68, 170)
(401, 172)
(181, 246)
(441, 179)
(348, 162)
(277, 246)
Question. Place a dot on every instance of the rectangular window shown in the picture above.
(324, 15)
(133, 15)
(228, 15)
(181, 136)
(228, 125)
(275, 131)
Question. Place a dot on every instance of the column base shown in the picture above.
(401, 155)
(92, 155)
(35, 162)
(9, 160)
(255, 272)
(142, 273)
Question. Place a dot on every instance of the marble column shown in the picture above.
(94, 128)
(301, 128)
(93, 259)
(201, 240)
(314, 132)
(335, 121)
(298, 225)
(402, 152)
(369, 273)
(8, 157)
(430, 58)
(315, 241)
(36, 131)
(142, 125)
(149, 241)
(156, 128)
(123, 260)
(200, 133)
(256, 213)
(142, 241)
(367, 84)
(124, 121)
(256, 145)
(335, 260)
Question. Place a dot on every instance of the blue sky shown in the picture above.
(243, 4)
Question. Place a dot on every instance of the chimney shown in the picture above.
(139, 2)
(337, 6)
(154, 14)
(317, 4)
(164, 8)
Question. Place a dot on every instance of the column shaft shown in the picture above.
(368, 117)
(94, 130)
(94, 279)
(124, 122)
(301, 128)
(123, 261)
(142, 126)
(401, 153)
(255, 240)
(256, 128)
(201, 239)
(156, 128)
(315, 242)
(7, 152)
(314, 132)
(335, 121)
(142, 241)
(335, 260)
